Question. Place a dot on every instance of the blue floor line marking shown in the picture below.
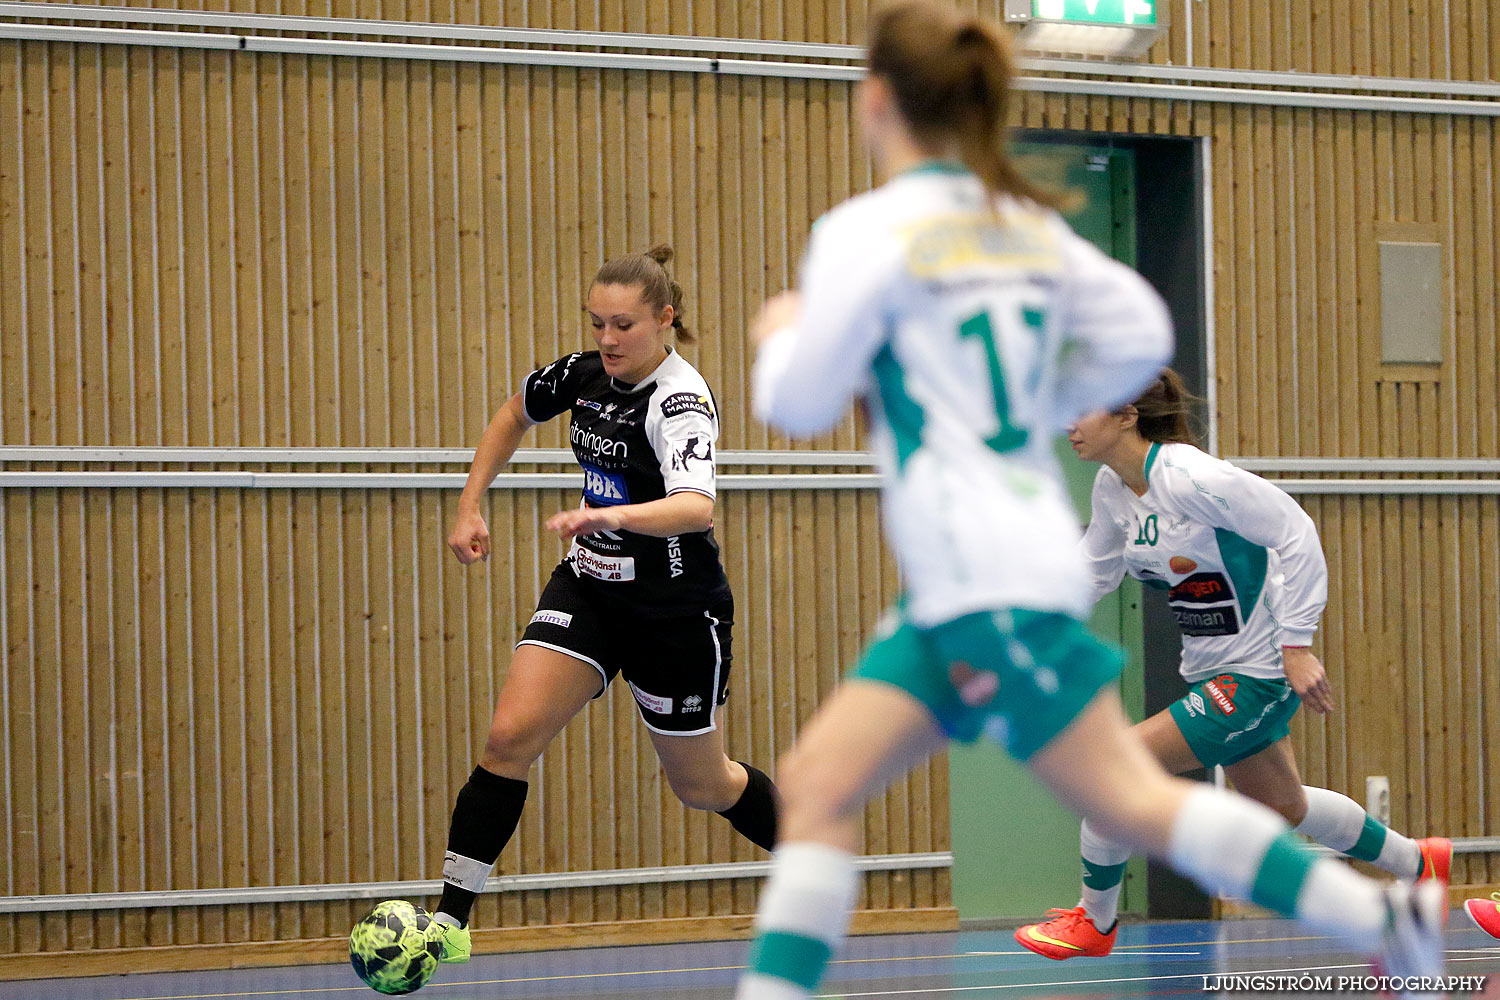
(1150, 960)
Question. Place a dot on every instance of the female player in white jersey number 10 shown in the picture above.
(1247, 582)
(975, 325)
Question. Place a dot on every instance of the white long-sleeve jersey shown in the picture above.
(974, 332)
(1240, 560)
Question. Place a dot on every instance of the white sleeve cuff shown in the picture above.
(1297, 636)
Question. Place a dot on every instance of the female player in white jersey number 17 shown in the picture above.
(1247, 582)
(975, 325)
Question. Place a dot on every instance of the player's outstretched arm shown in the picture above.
(678, 514)
(470, 536)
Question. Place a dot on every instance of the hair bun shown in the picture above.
(971, 33)
(661, 253)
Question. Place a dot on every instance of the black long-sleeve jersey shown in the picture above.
(638, 443)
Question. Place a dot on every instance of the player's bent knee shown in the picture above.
(509, 747)
(1293, 810)
(698, 794)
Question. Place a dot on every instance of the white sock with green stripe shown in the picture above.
(1235, 847)
(804, 914)
(1339, 822)
(1103, 873)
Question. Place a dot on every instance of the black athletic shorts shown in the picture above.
(677, 668)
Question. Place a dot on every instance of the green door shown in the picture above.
(1015, 850)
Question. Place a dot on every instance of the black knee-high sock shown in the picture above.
(754, 815)
(484, 818)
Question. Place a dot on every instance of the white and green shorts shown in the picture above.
(1048, 667)
(1233, 716)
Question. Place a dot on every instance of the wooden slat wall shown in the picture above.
(281, 688)
(223, 688)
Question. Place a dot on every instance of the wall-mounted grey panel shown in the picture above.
(1411, 303)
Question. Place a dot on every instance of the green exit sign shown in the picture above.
(1125, 12)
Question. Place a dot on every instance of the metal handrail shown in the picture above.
(254, 454)
(245, 479)
(429, 887)
(1326, 465)
(397, 480)
(699, 43)
(420, 29)
(795, 70)
(200, 455)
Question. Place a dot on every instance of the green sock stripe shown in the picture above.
(1102, 876)
(1371, 840)
(1282, 872)
(793, 957)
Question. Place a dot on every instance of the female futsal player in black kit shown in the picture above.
(641, 591)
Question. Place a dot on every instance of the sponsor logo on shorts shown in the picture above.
(692, 703)
(686, 402)
(1195, 704)
(651, 702)
(674, 556)
(561, 618)
(604, 489)
(1182, 565)
(1223, 700)
(613, 569)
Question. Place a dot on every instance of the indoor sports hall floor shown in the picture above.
(1150, 960)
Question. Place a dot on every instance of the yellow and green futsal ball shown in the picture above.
(391, 950)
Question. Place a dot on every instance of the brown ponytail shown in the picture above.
(951, 78)
(1164, 411)
(648, 270)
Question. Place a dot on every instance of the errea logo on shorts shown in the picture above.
(692, 703)
(561, 618)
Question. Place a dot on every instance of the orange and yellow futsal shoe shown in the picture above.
(1485, 913)
(1070, 934)
(1437, 858)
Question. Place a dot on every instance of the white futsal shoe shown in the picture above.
(1411, 945)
